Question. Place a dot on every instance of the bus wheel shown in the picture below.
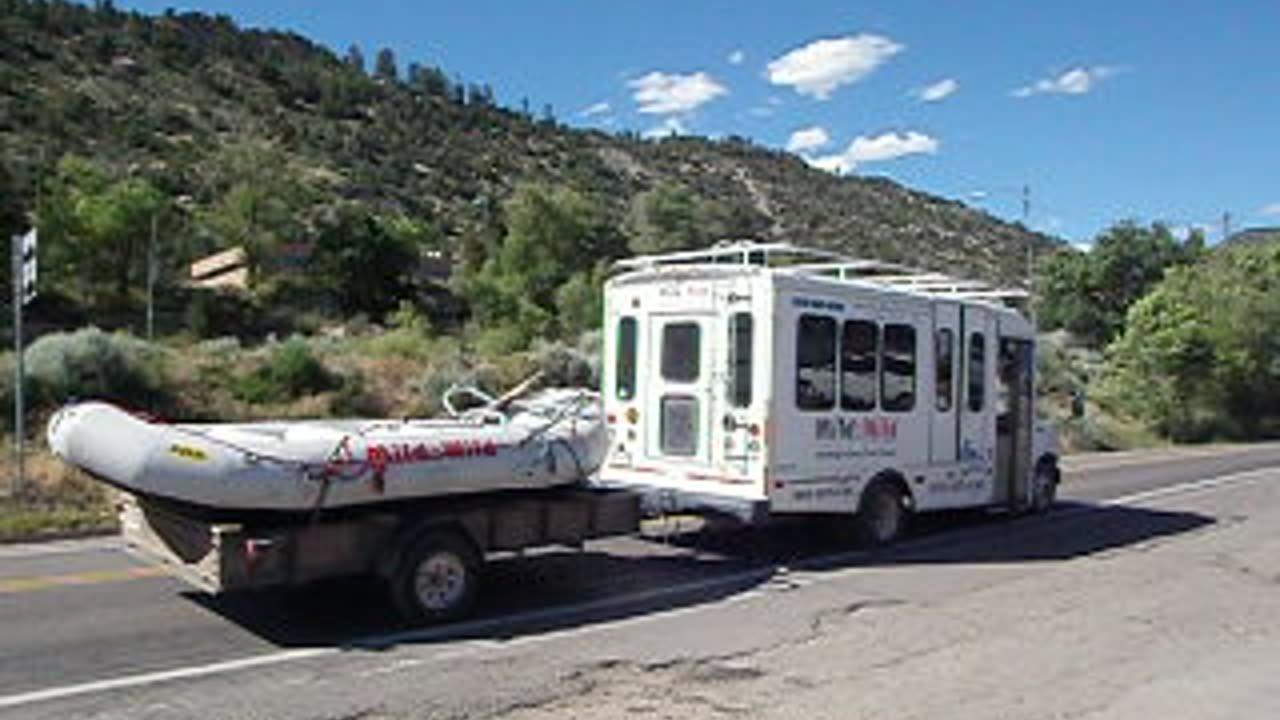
(438, 579)
(882, 514)
(1045, 486)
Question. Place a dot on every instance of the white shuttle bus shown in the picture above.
(767, 379)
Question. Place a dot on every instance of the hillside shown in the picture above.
(1253, 236)
(171, 96)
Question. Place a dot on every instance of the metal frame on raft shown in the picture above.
(785, 257)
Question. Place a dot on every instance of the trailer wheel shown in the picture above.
(438, 579)
(1045, 486)
(882, 514)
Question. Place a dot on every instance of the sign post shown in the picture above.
(24, 291)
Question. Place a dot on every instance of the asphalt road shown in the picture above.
(86, 629)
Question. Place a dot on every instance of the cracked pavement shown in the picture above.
(1180, 624)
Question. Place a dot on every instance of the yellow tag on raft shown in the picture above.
(188, 452)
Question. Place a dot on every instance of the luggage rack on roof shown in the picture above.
(829, 264)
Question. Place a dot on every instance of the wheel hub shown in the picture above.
(441, 581)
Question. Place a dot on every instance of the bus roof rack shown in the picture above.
(831, 265)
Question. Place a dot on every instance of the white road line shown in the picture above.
(1195, 486)
(133, 681)
(544, 615)
(1106, 461)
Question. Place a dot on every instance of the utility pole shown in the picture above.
(151, 281)
(15, 261)
(1031, 253)
(24, 291)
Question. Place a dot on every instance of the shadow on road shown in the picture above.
(633, 577)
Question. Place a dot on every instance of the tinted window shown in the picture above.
(898, 368)
(816, 362)
(678, 432)
(681, 352)
(625, 369)
(977, 372)
(944, 366)
(740, 343)
(859, 358)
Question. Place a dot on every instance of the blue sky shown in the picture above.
(1144, 109)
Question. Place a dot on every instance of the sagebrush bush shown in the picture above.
(90, 363)
(222, 348)
(562, 365)
(439, 377)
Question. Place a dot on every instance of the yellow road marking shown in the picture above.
(33, 583)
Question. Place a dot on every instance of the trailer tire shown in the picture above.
(437, 579)
(882, 514)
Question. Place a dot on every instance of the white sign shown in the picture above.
(29, 264)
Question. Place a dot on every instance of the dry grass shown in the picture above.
(54, 501)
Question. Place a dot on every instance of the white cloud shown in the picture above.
(1051, 225)
(818, 68)
(737, 57)
(808, 139)
(1184, 231)
(1272, 210)
(1076, 81)
(661, 93)
(938, 91)
(667, 128)
(865, 149)
(599, 108)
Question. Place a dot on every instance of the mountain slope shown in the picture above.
(168, 97)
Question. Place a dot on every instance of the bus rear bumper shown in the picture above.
(655, 501)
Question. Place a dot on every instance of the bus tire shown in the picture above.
(437, 579)
(882, 514)
(1045, 485)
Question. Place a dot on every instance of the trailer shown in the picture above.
(429, 554)
(764, 380)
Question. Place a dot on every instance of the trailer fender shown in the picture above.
(388, 561)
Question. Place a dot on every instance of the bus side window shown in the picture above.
(816, 362)
(859, 362)
(944, 364)
(898, 368)
(977, 371)
(740, 359)
(625, 367)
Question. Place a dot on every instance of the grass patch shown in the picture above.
(56, 501)
(22, 520)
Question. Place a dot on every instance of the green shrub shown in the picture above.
(354, 400)
(406, 342)
(291, 371)
(501, 339)
(90, 363)
(211, 313)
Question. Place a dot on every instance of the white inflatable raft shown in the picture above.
(553, 437)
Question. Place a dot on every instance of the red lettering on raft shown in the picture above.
(405, 453)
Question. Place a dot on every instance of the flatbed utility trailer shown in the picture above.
(430, 554)
(766, 379)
